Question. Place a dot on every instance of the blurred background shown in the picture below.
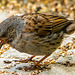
(61, 7)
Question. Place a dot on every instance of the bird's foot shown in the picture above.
(34, 67)
(27, 68)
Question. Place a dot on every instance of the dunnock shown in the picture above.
(36, 33)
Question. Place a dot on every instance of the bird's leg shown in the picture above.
(23, 61)
(26, 60)
(34, 66)
(41, 60)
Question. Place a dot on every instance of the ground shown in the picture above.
(62, 61)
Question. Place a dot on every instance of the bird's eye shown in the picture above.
(1, 30)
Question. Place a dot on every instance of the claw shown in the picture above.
(30, 68)
(27, 68)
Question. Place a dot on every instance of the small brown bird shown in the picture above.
(36, 33)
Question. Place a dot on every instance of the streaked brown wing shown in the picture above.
(44, 24)
(37, 23)
(57, 22)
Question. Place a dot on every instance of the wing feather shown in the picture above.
(43, 24)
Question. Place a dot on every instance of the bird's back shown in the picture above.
(44, 24)
(36, 33)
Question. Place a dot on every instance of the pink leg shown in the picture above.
(34, 66)
(26, 60)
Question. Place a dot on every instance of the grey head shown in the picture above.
(13, 21)
(5, 24)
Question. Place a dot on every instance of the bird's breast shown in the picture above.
(36, 45)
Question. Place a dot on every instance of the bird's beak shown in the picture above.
(2, 40)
